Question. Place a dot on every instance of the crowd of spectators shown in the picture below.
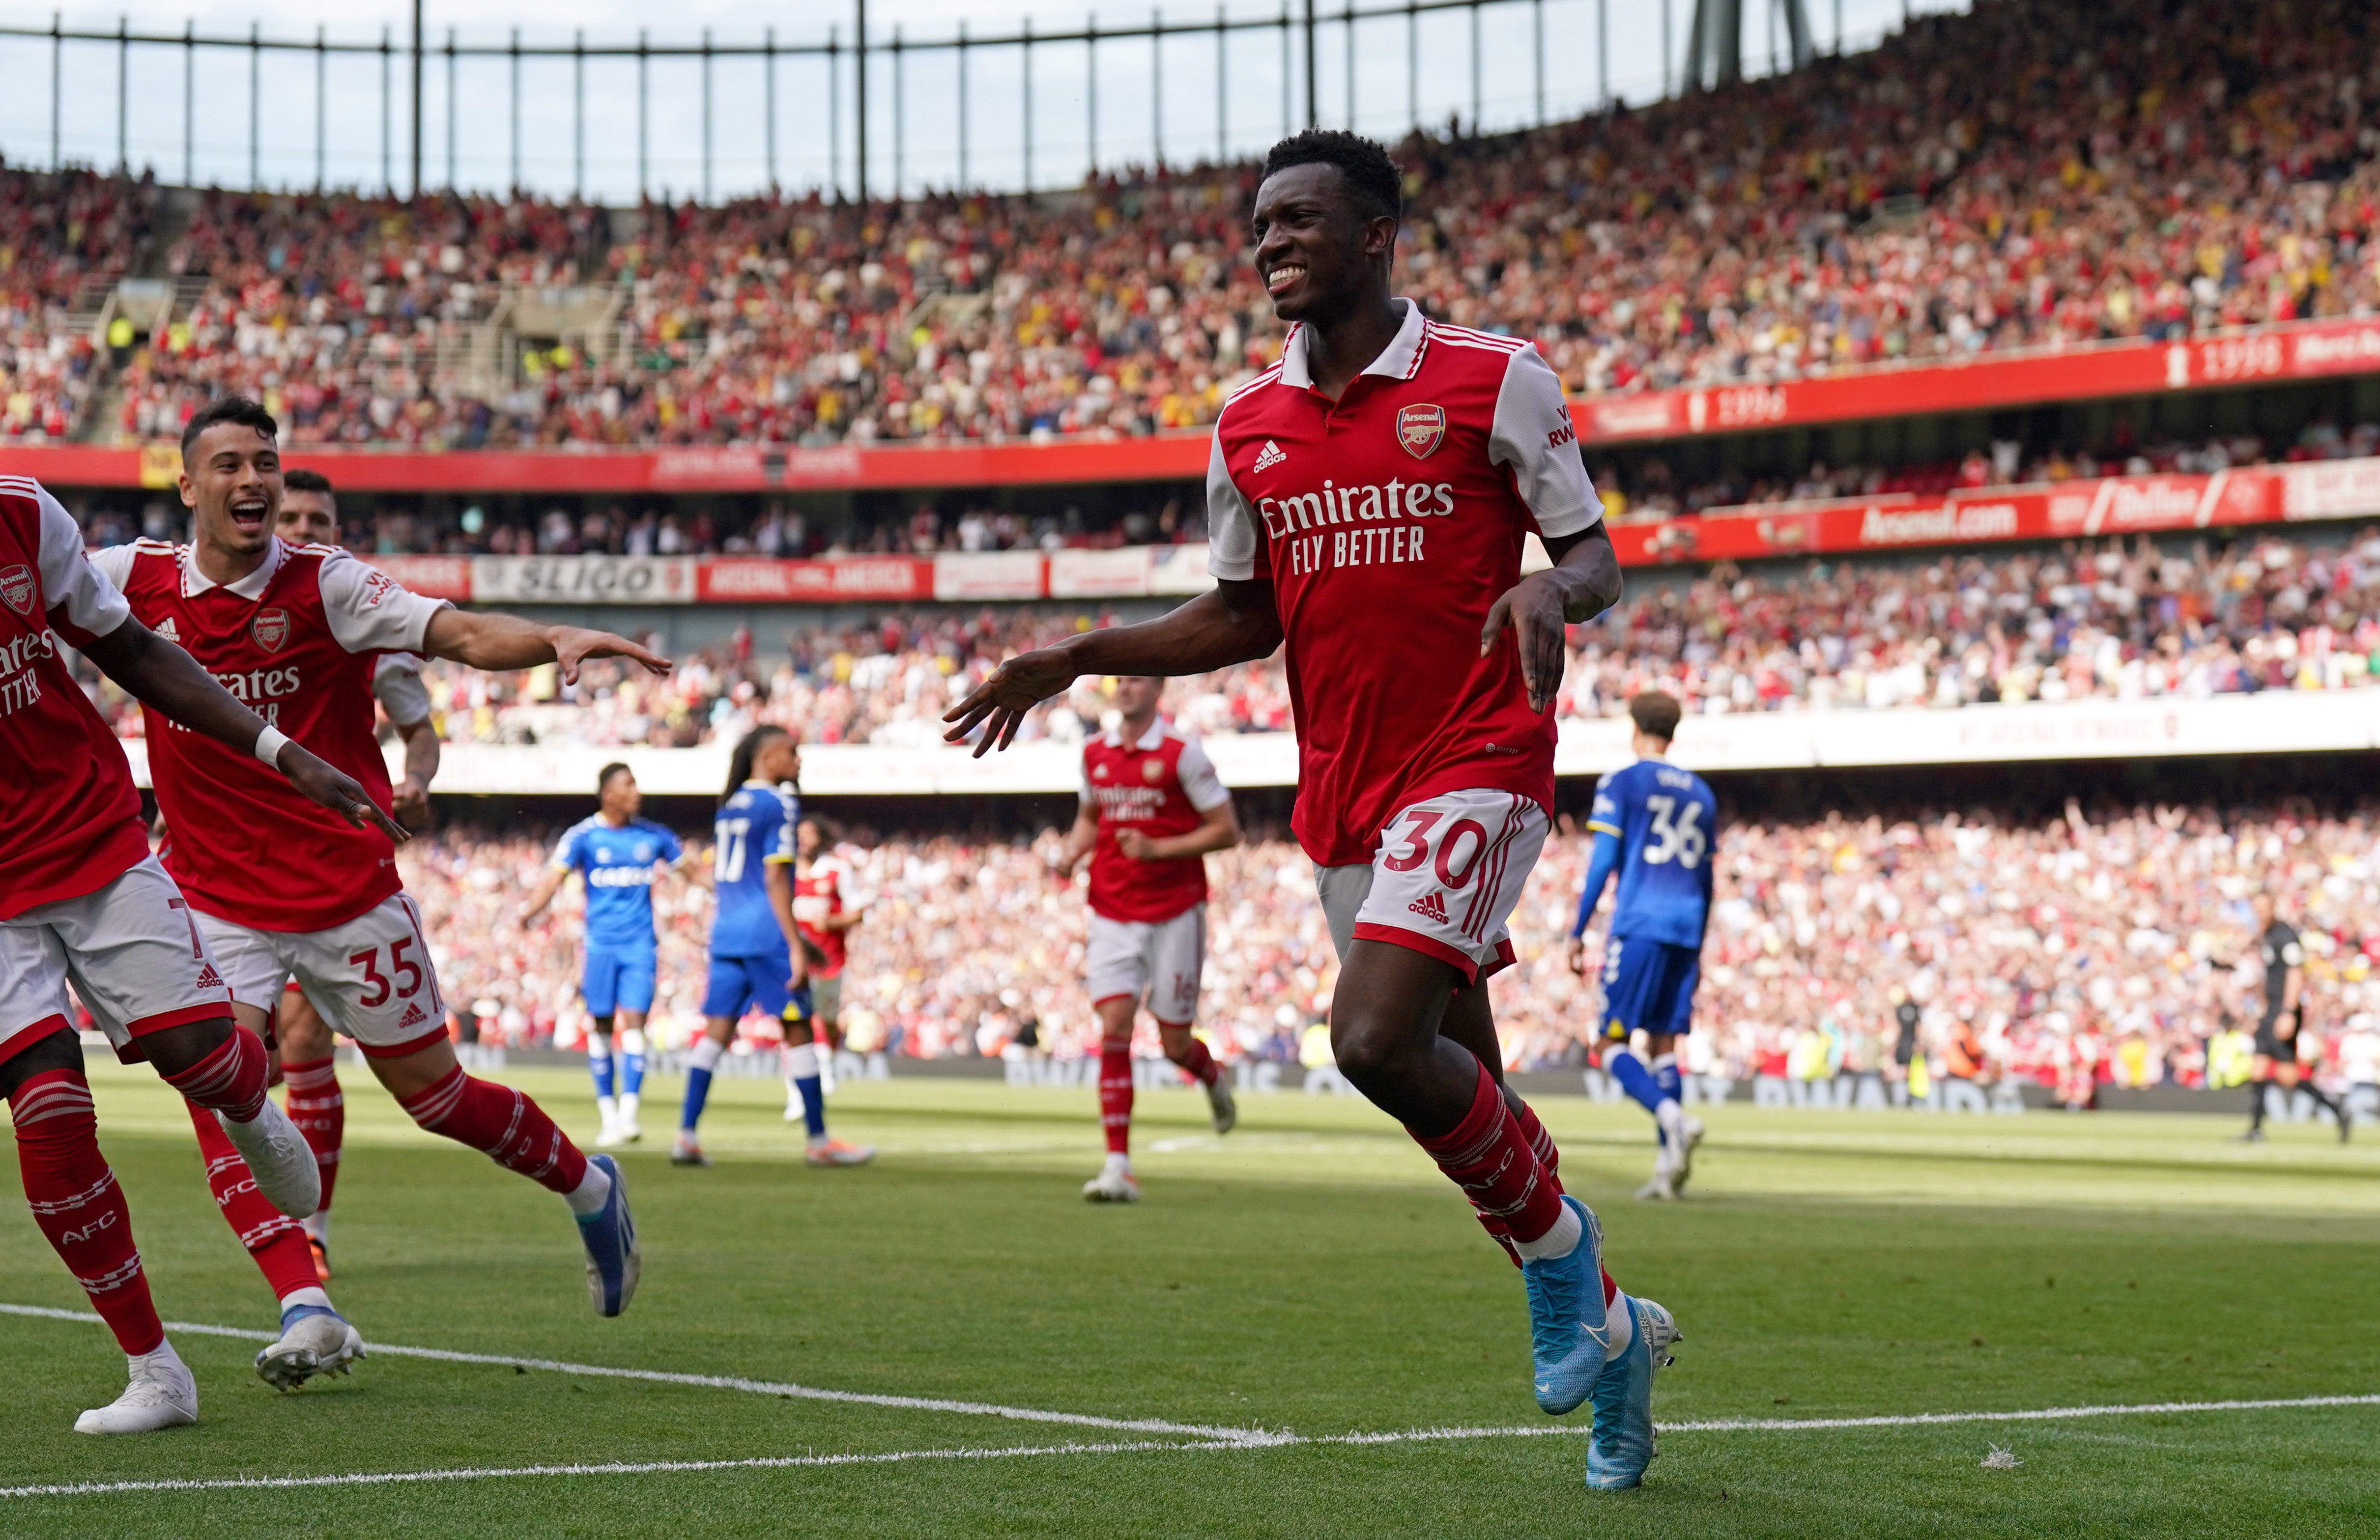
(2104, 619)
(2078, 951)
(2030, 174)
(56, 231)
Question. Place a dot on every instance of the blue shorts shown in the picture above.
(1648, 986)
(741, 983)
(615, 981)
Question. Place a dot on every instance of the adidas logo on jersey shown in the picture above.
(412, 1017)
(209, 979)
(171, 633)
(1270, 455)
(1430, 906)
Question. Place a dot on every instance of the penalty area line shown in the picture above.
(711, 1382)
(1221, 1445)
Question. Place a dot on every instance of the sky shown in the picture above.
(268, 112)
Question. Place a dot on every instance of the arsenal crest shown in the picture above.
(17, 588)
(1420, 430)
(270, 629)
(1152, 771)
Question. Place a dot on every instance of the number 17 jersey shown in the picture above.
(755, 828)
(1667, 821)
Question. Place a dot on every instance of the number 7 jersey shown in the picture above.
(1667, 821)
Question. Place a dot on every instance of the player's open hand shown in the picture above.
(1133, 844)
(1532, 608)
(1574, 953)
(999, 704)
(411, 806)
(574, 644)
(338, 792)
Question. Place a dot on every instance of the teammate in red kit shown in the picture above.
(1152, 806)
(281, 890)
(1369, 497)
(310, 515)
(824, 913)
(81, 899)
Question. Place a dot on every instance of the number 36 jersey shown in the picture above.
(755, 828)
(1667, 822)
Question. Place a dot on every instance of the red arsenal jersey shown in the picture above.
(818, 893)
(296, 641)
(1160, 785)
(1389, 523)
(69, 815)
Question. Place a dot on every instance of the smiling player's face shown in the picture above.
(1318, 257)
(231, 482)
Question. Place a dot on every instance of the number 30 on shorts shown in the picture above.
(1452, 847)
(377, 984)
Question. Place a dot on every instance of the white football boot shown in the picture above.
(162, 1394)
(1219, 1101)
(1114, 1185)
(1690, 1134)
(320, 1343)
(277, 1157)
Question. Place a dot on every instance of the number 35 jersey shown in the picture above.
(754, 828)
(1667, 822)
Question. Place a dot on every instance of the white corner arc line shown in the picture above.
(1222, 1445)
(715, 1382)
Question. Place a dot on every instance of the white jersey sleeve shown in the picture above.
(90, 598)
(1200, 782)
(1087, 794)
(370, 610)
(396, 680)
(1533, 435)
(1231, 538)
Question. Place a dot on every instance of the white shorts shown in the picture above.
(1448, 875)
(1160, 959)
(133, 951)
(370, 978)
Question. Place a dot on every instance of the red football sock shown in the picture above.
(230, 1080)
(1485, 1155)
(1541, 1143)
(1200, 1065)
(318, 1110)
(1115, 1094)
(506, 1126)
(79, 1206)
(272, 1237)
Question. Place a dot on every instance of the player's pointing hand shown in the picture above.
(1533, 607)
(574, 644)
(338, 792)
(999, 704)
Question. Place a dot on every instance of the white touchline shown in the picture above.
(1235, 1445)
(713, 1382)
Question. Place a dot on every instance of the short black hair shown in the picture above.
(228, 409)
(1373, 175)
(1656, 714)
(603, 776)
(304, 480)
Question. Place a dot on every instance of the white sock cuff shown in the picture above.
(705, 1054)
(589, 1196)
(802, 1062)
(633, 1041)
(598, 1045)
(1621, 1325)
(314, 1296)
(1560, 1240)
(1663, 1061)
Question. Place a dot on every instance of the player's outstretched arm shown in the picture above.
(542, 895)
(169, 681)
(421, 754)
(1235, 623)
(483, 641)
(1582, 584)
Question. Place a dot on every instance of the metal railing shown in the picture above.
(1304, 30)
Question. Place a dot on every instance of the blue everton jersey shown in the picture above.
(1667, 822)
(755, 828)
(617, 865)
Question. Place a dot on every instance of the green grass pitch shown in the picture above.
(1310, 1273)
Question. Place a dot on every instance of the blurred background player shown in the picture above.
(2282, 1057)
(824, 912)
(1151, 808)
(81, 898)
(756, 945)
(1654, 824)
(617, 853)
(280, 891)
(305, 1049)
